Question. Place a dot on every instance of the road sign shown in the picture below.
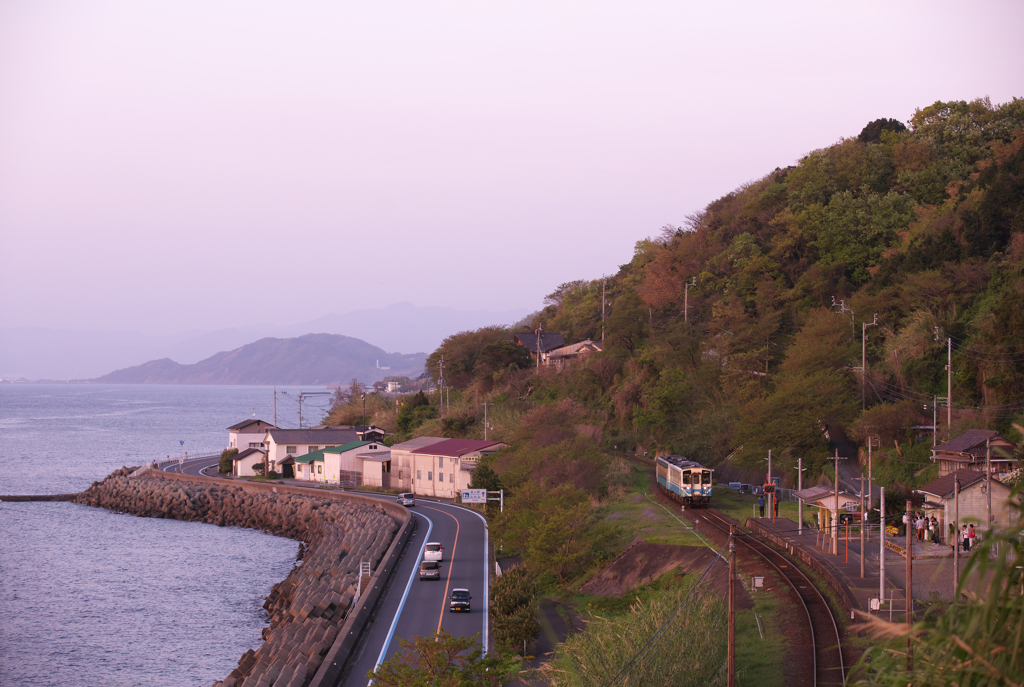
(474, 496)
(181, 443)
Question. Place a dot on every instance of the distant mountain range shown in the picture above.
(321, 359)
(45, 353)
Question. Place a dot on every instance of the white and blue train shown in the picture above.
(684, 480)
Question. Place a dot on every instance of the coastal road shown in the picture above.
(193, 466)
(411, 607)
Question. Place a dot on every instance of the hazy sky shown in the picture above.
(200, 164)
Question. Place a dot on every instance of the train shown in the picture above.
(686, 481)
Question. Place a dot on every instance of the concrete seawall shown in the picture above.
(313, 616)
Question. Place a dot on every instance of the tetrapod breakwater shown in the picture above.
(314, 619)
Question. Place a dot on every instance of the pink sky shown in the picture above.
(186, 164)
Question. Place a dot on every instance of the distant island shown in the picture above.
(321, 359)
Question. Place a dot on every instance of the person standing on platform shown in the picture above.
(971, 537)
(964, 538)
(775, 504)
(760, 504)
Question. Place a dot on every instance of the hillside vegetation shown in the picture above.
(922, 225)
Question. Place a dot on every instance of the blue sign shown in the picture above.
(181, 443)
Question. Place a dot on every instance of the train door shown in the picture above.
(706, 481)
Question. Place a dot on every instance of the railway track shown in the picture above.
(824, 631)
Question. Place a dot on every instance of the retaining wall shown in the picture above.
(312, 612)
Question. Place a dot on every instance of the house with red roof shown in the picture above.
(443, 468)
(967, 452)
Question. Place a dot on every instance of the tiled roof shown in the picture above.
(943, 486)
(376, 456)
(548, 341)
(971, 439)
(454, 448)
(573, 349)
(248, 452)
(260, 424)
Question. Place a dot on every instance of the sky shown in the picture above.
(198, 164)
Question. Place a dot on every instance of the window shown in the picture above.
(440, 461)
(686, 478)
(430, 475)
(289, 449)
(419, 474)
(451, 478)
(255, 445)
(310, 449)
(440, 477)
(319, 469)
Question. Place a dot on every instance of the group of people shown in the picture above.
(928, 530)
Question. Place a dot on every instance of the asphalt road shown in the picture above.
(411, 607)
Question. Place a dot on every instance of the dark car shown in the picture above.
(460, 600)
(430, 570)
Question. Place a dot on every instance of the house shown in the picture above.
(558, 357)
(444, 468)
(282, 443)
(967, 452)
(310, 466)
(376, 461)
(248, 434)
(940, 500)
(344, 465)
(244, 461)
(548, 342)
(402, 461)
(369, 432)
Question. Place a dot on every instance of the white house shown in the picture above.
(344, 464)
(248, 434)
(244, 461)
(310, 466)
(282, 443)
(444, 468)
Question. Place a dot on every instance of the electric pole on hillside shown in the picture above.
(863, 522)
(949, 377)
(440, 383)
(603, 301)
(863, 358)
(540, 333)
(956, 534)
(686, 299)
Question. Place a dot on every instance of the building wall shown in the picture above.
(431, 480)
(974, 507)
(401, 469)
(241, 440)
(243, 467)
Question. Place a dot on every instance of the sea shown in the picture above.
(89, 597)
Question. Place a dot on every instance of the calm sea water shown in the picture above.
(88, 597)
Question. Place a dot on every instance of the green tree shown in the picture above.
(445, 661)
(856, 231)
(226, 458)
(872, 133)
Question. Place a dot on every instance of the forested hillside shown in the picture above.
(921, 224)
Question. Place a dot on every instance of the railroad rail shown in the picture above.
(824, 631)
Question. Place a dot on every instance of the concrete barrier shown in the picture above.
(37, 497)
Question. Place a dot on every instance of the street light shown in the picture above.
(363, 396)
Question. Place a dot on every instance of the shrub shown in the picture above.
(226, 458)
(272, 474)
(513, 604)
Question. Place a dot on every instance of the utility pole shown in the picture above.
(988, 484)
(910, 587)
(485, 420)
(732, 607)
(835, 512)
(956, 535)
(935, 419)
(771, 496)
(863, 358)
(800, 501)
(363, 397)
(863, 522)
(603, 301)
(686, 299)
(540, 333)
(881, 551)
(949, 377)
(275, 406)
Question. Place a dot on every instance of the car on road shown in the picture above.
(460, 600)
(407, 499)
(430, 570)
(433, 551)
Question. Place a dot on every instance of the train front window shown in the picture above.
(707, 476)
(686, 478)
